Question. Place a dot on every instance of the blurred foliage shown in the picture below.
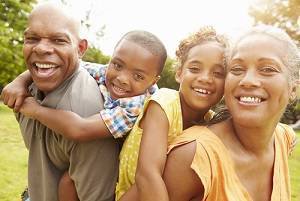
(283, 14)
(95, 55)
(13, 18)
(167, 79)
(280, 13)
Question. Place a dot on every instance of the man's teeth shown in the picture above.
(250, 99)
(203, 91)
(40, 65)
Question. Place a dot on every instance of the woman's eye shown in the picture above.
(269, 69)
(236, 70)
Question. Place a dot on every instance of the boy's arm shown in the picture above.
(15, 92)
(152, 155)
(66, 123)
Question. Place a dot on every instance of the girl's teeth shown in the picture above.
(203, 91)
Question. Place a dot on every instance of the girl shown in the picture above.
(200, 73)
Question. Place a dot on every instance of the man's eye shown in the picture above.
(31, 39)
(59, 41)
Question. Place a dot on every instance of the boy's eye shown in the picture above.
(138, 77)
(117, 66)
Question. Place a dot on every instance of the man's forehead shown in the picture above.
(54, 13)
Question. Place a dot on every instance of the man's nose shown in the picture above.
(43, 47)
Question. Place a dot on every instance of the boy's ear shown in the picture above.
(157, 78)
(178, 75)
(82, 47)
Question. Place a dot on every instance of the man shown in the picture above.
(52, 51)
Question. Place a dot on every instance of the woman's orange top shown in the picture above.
(215, 168)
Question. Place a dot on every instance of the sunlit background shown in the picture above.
(169, 20)
(105, 21)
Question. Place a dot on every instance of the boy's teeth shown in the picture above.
(40, 65)
(250, 99)
(203, 91)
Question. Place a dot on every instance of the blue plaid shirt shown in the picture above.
(118, 115)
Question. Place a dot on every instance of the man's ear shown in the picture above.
(82, 47)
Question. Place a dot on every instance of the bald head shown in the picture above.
(53, 13)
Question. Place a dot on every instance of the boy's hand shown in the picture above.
(29, 107)
(14, 94)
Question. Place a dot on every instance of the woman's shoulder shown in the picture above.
(286, 134)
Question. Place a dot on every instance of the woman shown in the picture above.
(245, 156)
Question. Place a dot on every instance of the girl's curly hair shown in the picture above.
(207, 33)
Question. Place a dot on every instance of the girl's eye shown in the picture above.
(138, 77)
(194, 69)
(219, 74)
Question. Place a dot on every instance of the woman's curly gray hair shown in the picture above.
(292, 58)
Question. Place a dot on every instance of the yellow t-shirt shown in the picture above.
(169, 100)
(215, 168)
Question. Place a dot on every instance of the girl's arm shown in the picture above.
(152, 155)
(66, 123)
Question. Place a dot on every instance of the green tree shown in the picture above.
(95, 55)
(13, 17)
(283, 14)
(168, 76)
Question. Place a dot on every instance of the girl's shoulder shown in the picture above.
(165, 96)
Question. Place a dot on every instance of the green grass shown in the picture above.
(13, 157)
